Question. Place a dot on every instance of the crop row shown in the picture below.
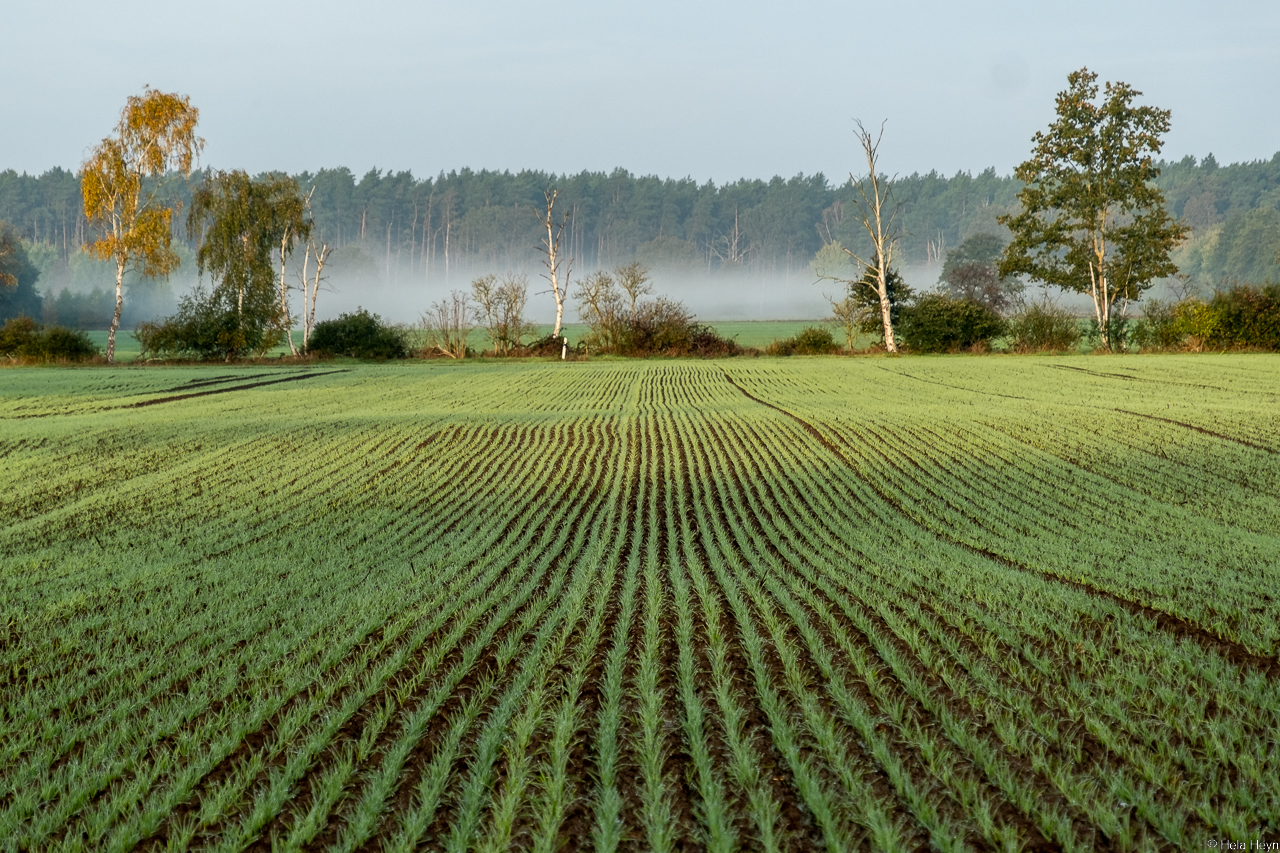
(643, 606)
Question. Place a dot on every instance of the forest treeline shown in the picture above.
(403, 228)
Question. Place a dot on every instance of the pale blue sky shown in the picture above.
(704, 89)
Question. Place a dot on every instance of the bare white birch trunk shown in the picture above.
(883, 237)
(552, 245)
(284, 296)
(115, 318)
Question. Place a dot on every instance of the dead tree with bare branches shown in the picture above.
(555, 261)
(879, 218)
(447, 324)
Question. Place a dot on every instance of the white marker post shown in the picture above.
(564, 351)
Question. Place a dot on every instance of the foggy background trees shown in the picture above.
(397, 229)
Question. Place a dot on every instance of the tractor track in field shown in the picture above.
(949, 385)
(176, 397)
(1091, 746)
(192, 395)
(1202, 431)
(1180, 627)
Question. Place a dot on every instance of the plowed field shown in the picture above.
(957, 603)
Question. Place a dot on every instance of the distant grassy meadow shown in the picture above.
(752, 604)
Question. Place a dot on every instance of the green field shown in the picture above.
(815, 604)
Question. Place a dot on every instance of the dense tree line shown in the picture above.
(403, 227)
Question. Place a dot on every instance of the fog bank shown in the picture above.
(720, 296)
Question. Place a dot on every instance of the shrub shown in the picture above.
(1158, 328)
(1244, 316)
(59, 342)
(624, 323)
(1239, 317)
(665, 327)
(1043, 326)
(24, 338)
(358, 335)
(1119, 335)
(546, 345)
(213, 325)
(811, 340)
(866, 296)
(938, 323)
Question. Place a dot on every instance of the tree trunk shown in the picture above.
(284, 297)
(879, 228)
(309, 323)
(1100, 291)
(886, 315)
(115, 318)
(552, 245)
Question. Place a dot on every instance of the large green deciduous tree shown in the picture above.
(156, 133)
(241, 224)
(1092, 219)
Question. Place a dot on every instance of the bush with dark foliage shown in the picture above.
(214, 324)
(547, 345)
(25, 339)
(866, 296)
(811, 340)
(1246, 317)
(1044, 327)
(1159, 327)
(665, 327)
(938, 323)
(358, 335)
(1238, 317)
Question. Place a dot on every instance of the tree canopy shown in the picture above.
(971, 273)
(1092, 219)
(155, 134)
(239, 224)
(394, 224)
(18, 294)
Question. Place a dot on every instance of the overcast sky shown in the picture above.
(711, 90)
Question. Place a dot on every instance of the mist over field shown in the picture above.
(711, 297)
(401, 297)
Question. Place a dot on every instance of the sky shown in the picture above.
(709, 90)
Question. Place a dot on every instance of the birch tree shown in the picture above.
(311, 285)
(291, 211)
(155, 134)
(241, 224)
(555, 261)
(879, 219)
(1092, 219)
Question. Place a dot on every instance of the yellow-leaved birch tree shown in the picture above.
(156, 134)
